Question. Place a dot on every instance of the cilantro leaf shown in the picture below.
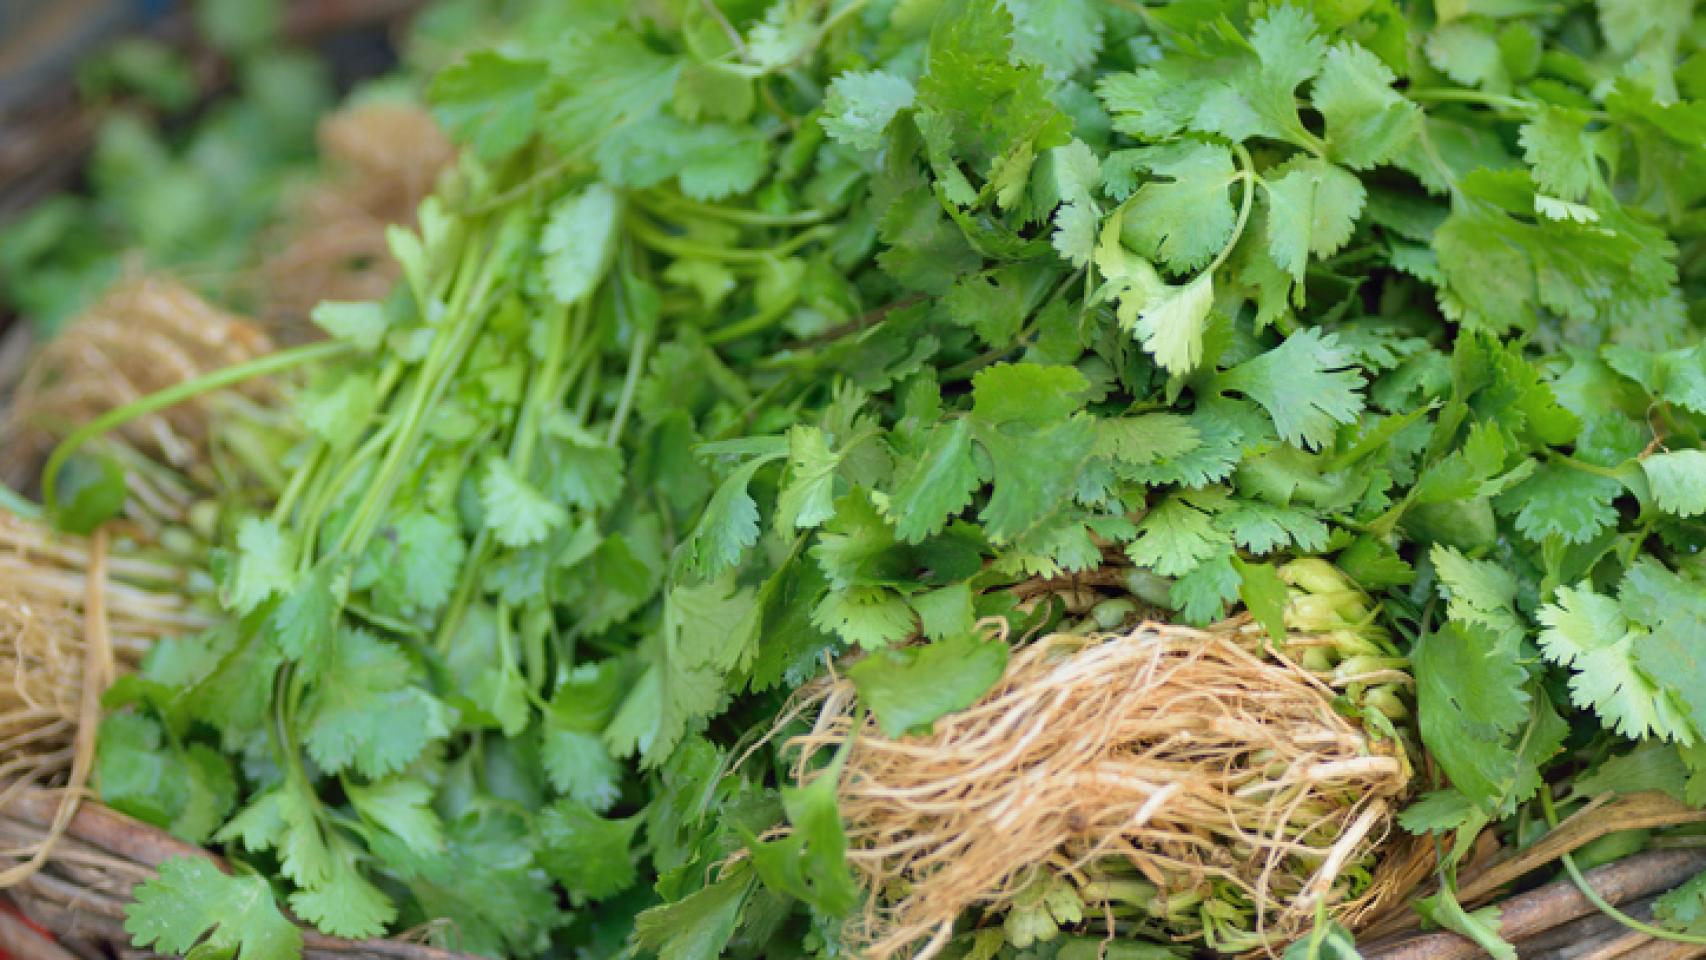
(908, 688)
(1314, 209)
(490, 100)
(1678, 481)
(1304, 384)
(1186, 219)
(1589, 632)
(859, 106)
(264, 566)
(516, 512)
(366, 713)
(588, 854)
(190, 902)
(578, 243)
(698, 926)
(1368, 123)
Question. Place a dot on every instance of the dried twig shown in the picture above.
(1555, 904)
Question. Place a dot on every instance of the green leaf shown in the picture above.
(1171, 324)
(1556, 144)
(871, 617)
(1328, 941)
(90, 491)
(574, 756)
(1683, 907)
(1368, 123)
(1185, 220)
(366, 712)
(589, 855)
(937, 484)
(361, 323)
(403, 808)
(1146, 438)
(1560, 501)
(516, 512)
(346, 904)
(489, 100)
(1476, 717)
(1174, 537)
(808, 496)
(578, 243)
(1306, 384)
(908, 688)
(1264, 595)
(1589, 632)
(1314, 207)
(1678, 481)
(858, 107)
(304, 624)
(810, 864)
(729, 524)
(697, 927)
(190, 903)
(265, 565)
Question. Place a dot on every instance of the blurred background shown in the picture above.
(172, 136)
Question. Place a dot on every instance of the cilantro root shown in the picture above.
(1158, 762)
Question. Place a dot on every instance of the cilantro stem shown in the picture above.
(449, 350)
(175, 394)
(1582, 465)
(663, 203)
(756, 323)
(1247, 171)
(17, 504)
(1455, 95)
(1603, 905)
(630, 387)
(662, 242)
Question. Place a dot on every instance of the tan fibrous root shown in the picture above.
(1200, 759)
(53, 586)
(147, 333)
(382, 159)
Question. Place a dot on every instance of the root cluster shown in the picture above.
(146, 334)
(383, 159)
(1197, 758)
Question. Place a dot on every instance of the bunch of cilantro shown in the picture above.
(751, 334)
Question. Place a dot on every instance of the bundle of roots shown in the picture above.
(74, 613)
(146, 334)
(383, 160)
(1185, 784)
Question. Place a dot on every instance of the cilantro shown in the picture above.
(764, 339)
(906, 689)
(190, 902)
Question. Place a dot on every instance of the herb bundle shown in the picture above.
(747, 338)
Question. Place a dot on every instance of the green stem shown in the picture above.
(178, 393)
(651, 236)
(1455, 95)
(1604, 906)
(662, 203)
(17, 504)
(1248, 171)
(757, 323)
(1582, 465)
(630, 387)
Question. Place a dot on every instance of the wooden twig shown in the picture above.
(20, 941)
(1555, 904)
(1635, 811)
(83, 901)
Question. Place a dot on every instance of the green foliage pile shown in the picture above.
(752, 333)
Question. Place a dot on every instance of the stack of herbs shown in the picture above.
(747, 334)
